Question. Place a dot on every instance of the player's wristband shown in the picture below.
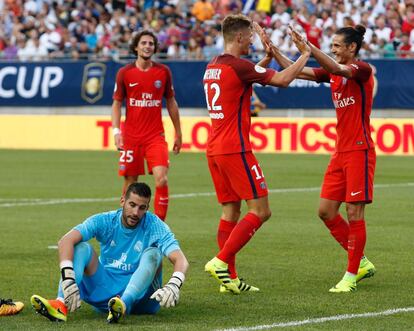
(177, 279)
(66, 269)
(116, 131)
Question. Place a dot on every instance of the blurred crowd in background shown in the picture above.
(35, 30)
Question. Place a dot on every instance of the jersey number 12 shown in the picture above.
(216, 88)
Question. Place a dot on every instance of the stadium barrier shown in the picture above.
(269, 135)
(82, 83)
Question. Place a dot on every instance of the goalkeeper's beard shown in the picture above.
(130, 222)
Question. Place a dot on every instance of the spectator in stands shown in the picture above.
(35, 51)
(50, 39)
(281, 14)
(176, 50)
(89, 21)
(203, 10)
(327, 40)
(382, 31)
(209, 49)
(348, 21)
(278, 32)
(194, 50)
(355, 14)
(388, 49)
(325, 21)
(9, 50)
(198, 32)
(173, 31)
(408, 24)
(313, 33)
(396, 38)
(404, 49)
(84, 51)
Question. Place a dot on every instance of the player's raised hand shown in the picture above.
(299, 40)
(264, 38)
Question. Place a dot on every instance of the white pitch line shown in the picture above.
(322, 320)
(40, 202)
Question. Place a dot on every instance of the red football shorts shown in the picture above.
(350, 177)
(131, 159)
(237, 177)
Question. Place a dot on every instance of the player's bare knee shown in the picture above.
(234, 215)
(265, 215)
(352, 216)
(324, 214)
(354, 212)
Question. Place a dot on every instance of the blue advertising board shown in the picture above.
(82, 83)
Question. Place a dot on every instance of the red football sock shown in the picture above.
(356, 244)
(339, 229)
(223, 232)
(240, 236)
(161, 201)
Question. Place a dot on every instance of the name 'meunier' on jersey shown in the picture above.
(227, 85)
(143, 92)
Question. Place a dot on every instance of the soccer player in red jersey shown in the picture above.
(349, 177)
(234, 169)
(143, 84)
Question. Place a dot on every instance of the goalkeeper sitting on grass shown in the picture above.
(126, 278)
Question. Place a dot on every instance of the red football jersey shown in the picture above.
(143, 92)
(352, 98)
(228, 88)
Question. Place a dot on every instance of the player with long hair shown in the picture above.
(349, 177)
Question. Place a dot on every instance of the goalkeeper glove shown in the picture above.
(169, 295)
(70, 289)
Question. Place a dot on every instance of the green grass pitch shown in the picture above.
(292, 258)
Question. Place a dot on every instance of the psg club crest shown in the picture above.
(93, 82)
(157, 84)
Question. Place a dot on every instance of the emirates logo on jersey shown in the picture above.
(146, 101)
(345, 102)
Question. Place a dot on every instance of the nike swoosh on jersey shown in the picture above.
(355, 193)
(133, 84)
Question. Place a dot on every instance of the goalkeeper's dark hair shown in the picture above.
(353, 35)
(140, 189)
(137, 37)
